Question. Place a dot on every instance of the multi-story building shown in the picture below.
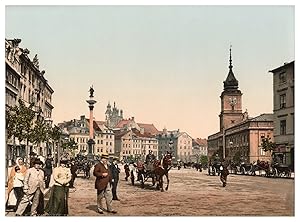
(199, 148)
(104, 139)
(148, 142)
(179, 143)
(25, 81)
(239, 135)
(284, 108)
(131, 143)
(78, 130)
(124, 144)
(244, 139)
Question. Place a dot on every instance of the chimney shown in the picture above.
(142, 131)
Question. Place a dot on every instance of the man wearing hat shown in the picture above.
(103, 184)
(115, 171)
(34, 185)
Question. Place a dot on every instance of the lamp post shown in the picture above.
(231, 149)
(49, 122)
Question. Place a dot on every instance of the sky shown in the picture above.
(163, 65)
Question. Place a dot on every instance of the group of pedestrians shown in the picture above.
(27, 186)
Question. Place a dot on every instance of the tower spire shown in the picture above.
(230, 83)
(230, 60)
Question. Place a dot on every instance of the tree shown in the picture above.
(19, 120)
(40, 132)
(267, 144)
(203, 160)
(237, 157)
(55, 133)
(71, 146)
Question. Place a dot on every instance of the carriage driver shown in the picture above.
(149, 161)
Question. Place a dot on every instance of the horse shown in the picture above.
(198, 166)
(163, 170)
(259, 166)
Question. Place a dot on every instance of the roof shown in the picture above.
(148, 128)
(122, 123)
(283, 66)
(120, 134)
(145, 135)
(263, 117)
(95, 125)
(200, 141)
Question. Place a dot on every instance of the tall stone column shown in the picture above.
(91, 141)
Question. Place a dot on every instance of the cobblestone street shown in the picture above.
(192, 193)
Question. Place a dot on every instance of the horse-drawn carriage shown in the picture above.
(280, 170)
(197, 166)
(214, 168)
(83, 166)
(157, 170)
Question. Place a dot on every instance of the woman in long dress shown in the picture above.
(58, 201)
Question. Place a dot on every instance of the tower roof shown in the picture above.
(231, 82)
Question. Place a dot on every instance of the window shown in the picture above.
(282, 101)
(283, 127)
(282, 77)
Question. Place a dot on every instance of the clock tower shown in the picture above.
(231, 101)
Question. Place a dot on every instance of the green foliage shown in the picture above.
(40, 132)
(55, 133)
(70, 145)
(203, 160)
(237, 157)
(21, 123)
(19, 120)
(267, 144)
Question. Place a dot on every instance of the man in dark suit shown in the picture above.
(103, 184)
(73, 169)
(115, 171)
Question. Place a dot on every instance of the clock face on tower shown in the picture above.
(232, 101)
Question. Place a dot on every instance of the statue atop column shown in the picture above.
(91, 91)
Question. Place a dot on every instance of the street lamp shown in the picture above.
(231, 148)
(48, 122)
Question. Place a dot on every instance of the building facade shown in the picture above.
(78, 131)
(132, 144)
(239, 137)
(284, 109)
(199, 149)
(179, 143)
(25, 81)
